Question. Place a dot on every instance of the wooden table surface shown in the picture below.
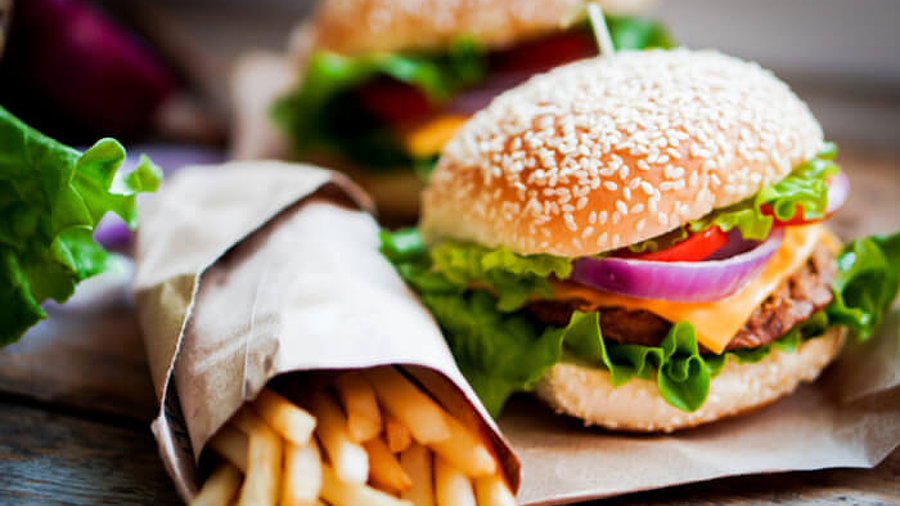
(76, 401)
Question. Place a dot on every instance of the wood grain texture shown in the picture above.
(51, 457)
(87, 359)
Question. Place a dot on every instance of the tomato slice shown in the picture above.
(396, 102)
(546, 52)
(696, 247)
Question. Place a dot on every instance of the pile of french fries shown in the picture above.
(368, 437)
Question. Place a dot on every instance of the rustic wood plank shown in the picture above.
(56, 458)
(83, 358)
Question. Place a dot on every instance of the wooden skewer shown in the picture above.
(601, 30)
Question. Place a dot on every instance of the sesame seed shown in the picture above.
(670, 114)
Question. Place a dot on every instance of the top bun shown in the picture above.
(606, 152)
(358, 26)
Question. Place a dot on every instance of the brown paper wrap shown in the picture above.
(255, 269)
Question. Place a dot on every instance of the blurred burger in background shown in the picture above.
(387, 83)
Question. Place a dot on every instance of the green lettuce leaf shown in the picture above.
(681, 373)
(512, 277)
(51, 198)
(806, 186)
(498, 353)
(315, 113)
(455, 266)
(629, 32)
(866, 284)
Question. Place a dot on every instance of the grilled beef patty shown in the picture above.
(794, 301)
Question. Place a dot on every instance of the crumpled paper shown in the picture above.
(255, 269)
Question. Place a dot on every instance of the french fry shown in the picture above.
(340, 493)
(302, 474)
(397, 435)
(231, 444)
(384, 470)
(351, 464)
(261, 483)
(358, 398)
(493, 491)
(422, 416)
(289, 420)
(220, 487)
(465, 451)
(451, 486)
(417, 462)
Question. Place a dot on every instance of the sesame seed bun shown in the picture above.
(610, 151)
(586, 392)
(356, 26)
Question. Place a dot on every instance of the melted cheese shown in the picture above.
(429, 138)
(717, 322)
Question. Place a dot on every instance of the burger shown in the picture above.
(638, 240)
(387, 82)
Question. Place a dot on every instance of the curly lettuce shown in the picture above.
(512, 277)
(51, 198)
(866, 284)
(502, 352)
(805, 187)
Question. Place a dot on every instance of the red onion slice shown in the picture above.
(702, 281)
(838, 190)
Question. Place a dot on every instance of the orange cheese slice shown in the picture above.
(429, 138)
(718, 321)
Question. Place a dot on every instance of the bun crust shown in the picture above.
(356, 26)
(606, 152)
(586, 392)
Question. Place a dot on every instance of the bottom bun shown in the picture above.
(586, 392)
